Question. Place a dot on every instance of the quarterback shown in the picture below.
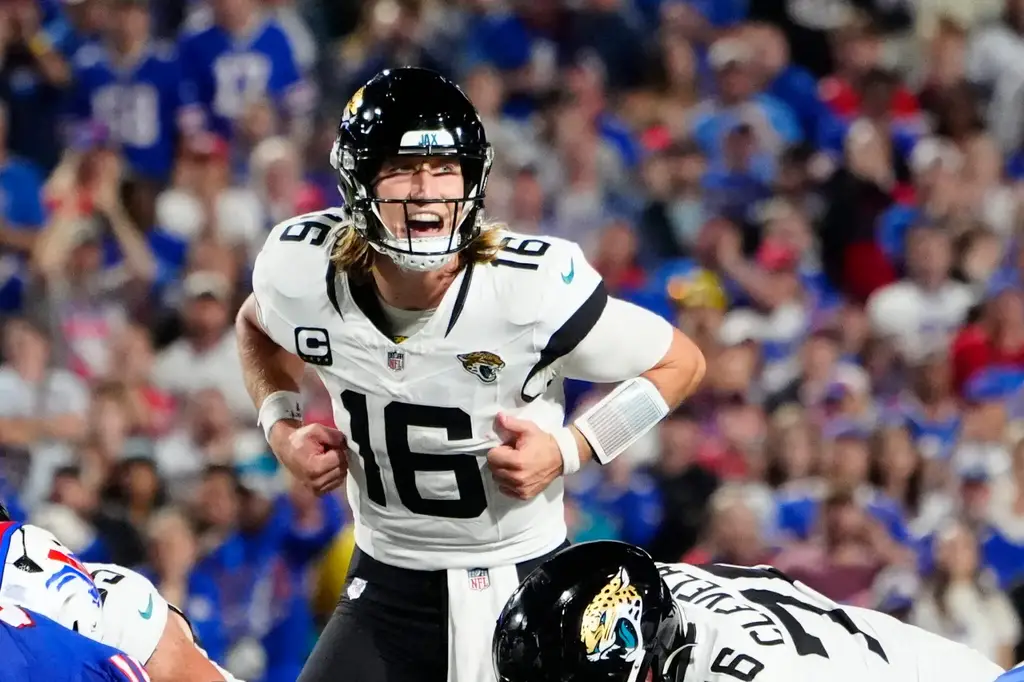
(103, 602)
(606, 611)
(442, 340)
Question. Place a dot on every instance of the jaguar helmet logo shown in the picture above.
(353, 104)
(482, 364)
(611, 622)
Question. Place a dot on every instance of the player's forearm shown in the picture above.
(266, 367)
(675, 377)
(137, 256)
(657, 365)
(54, 245)
(54, 67)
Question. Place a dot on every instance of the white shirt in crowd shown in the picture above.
(920, 322)
(60, 393)
(183, 371)
(985, 622)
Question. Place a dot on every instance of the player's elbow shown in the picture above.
(680, 372)
(247, 320)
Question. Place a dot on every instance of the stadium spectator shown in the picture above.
(960, 602)
(205, 356)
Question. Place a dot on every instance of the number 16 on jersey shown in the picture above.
(398, 418)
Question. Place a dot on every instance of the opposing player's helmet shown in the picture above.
(42, 575)
(415, 112)
(597, 611)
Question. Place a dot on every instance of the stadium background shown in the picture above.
(825, 194)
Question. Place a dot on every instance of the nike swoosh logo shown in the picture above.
(567, 277)
(148, 613)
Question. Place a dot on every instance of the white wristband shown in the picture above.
(620, 418)
(277, 406)
(569, 448)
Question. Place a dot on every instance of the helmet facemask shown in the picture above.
(358, 175)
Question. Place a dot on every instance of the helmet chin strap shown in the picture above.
(424, 254)
(417, 262)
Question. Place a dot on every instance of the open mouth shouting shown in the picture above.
(424, 224)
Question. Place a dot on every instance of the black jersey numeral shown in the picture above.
(302, 227)
(530, 248)
(781, 605)
(398, 418)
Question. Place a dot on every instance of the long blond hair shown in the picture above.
(353, 254)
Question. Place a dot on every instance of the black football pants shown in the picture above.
(394, 630)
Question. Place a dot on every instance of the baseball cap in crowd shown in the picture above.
(729, 52)
(775, 256)
(208, 146)
(741, 326)
(843, 428)
(88, 135)
(206, 284)
(697, 289)
(974, 462)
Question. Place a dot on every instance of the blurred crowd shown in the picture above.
(825, 194)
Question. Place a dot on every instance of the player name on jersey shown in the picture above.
(691, 589)
(765, 603)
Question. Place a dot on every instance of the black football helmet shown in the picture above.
(416, 112)
(4, 514)
(595, 612)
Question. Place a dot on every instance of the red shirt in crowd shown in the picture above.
(973, 350)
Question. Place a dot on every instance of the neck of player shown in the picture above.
(410, 290)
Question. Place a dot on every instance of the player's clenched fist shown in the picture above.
(527, 462)
(314, 454)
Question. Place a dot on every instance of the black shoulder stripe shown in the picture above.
(569, 335)
(460, 299)
(332, 286)
(364, 295)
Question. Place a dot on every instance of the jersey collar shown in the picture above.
(361, 290)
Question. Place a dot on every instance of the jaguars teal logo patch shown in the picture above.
(482, 364)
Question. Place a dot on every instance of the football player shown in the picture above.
(606, 611)
(34, 648)
(442, 339)
(106, 603)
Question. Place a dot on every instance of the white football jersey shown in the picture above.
(134, 613)
(758, 625)
(419, 413)
(39, 573)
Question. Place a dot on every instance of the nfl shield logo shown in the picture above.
(479, 579)
(396, 360)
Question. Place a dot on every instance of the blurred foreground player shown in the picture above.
(34, 648)
(606, 611)
(104, 602)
